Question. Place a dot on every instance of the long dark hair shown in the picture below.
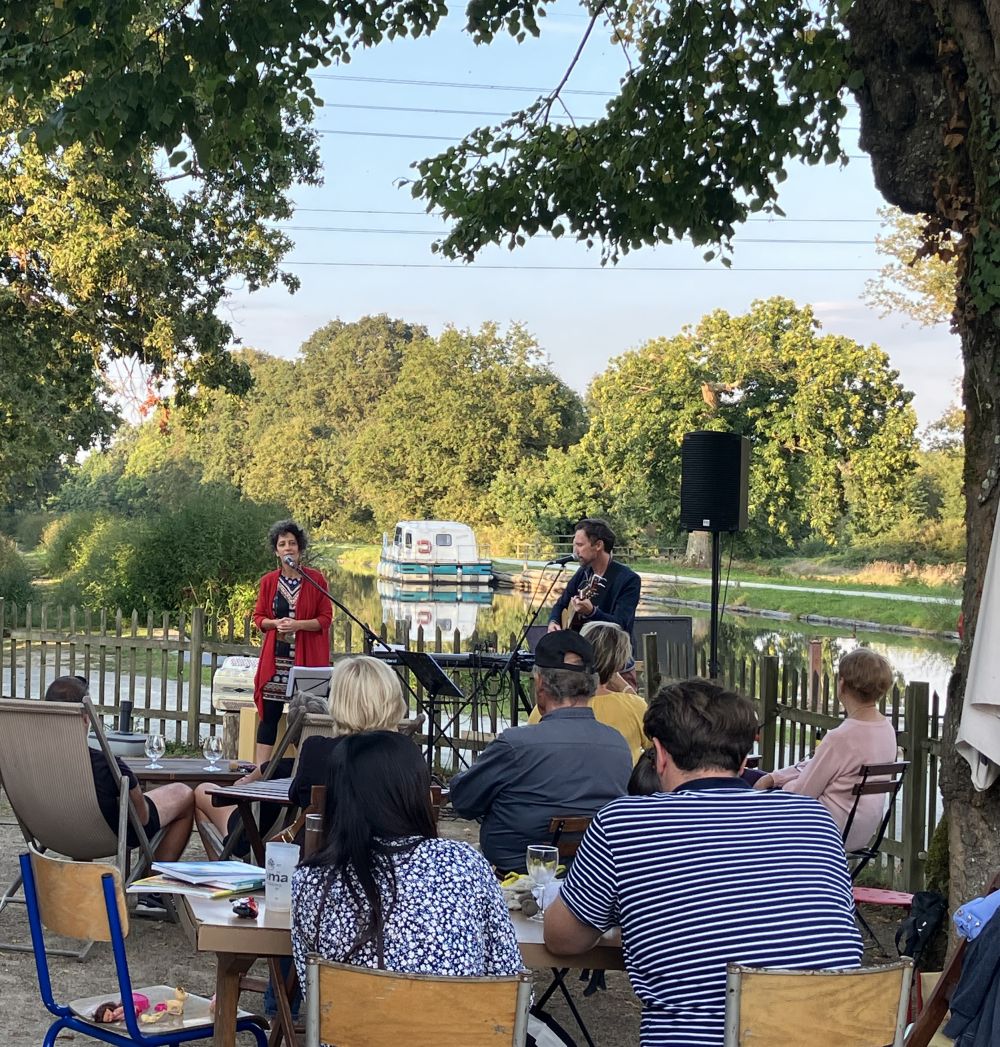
(378, 799)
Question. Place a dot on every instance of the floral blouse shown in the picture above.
(449, 918)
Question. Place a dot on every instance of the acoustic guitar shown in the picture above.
(590, 590)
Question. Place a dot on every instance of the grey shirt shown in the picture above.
(568, 763)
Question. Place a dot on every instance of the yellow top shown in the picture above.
(621, 710)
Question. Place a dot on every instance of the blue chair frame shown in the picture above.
(66, 1019)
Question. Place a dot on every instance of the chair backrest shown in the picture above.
(865, 1007)
(411, 726)
(420, 1010)
(46, 772)
(567, 831)
(70, 897)
(876, 778)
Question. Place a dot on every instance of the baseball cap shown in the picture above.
(552, 648)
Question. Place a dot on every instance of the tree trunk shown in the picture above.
(699, 549)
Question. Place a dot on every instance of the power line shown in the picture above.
(586, 268)
(431, 232)
(427, 214)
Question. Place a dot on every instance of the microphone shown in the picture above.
(563, 560)
(289, 562)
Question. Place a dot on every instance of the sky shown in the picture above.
(380, 238)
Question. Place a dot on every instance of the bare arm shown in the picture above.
(565, 935)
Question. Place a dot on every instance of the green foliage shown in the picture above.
(15, 578)
(913, 282)
(61, 539)
(25, 527)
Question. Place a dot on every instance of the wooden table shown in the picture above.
(243, 797)
(187, 769)
(212, 927)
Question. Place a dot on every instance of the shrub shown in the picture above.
(61, 538)
(15, 578)
(29, 527)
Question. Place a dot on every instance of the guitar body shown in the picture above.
(592, 588)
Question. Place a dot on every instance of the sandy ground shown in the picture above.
(159, 953)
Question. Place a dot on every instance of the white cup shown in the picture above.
(280, 860)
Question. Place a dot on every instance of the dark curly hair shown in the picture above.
(287, 527)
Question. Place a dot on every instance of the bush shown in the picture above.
(29, 527)
(61, 539)
(15, 578)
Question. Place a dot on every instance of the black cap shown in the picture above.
(551, 649)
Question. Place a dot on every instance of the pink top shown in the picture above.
(833, 771)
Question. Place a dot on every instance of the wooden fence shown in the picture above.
(164, 664)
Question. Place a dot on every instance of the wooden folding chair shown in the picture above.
(361, 1007)
(46, 772)
(863, 1007)
(566, 831)
(85, 900)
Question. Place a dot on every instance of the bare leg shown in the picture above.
(175, 806)
(262, 753)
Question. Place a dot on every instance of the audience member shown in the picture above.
(567, 763)
(385, 891)
(865, 737)
(706, 872)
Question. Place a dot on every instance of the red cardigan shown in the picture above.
(310, 648)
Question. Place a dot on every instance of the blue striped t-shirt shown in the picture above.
(713, 873)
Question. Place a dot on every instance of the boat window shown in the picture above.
(409, 539)
(442, 539)
(397, 536)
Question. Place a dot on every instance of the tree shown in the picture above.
(920, 278)
(832, 429)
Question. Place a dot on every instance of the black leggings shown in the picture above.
(267, 728)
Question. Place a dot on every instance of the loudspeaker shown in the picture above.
(714, 472)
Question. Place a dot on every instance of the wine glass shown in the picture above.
(212, 750)
(541, 861)
(155, 747)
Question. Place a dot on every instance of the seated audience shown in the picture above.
(227, 819)
(615, 702)
(567, 763)
(706, 872)
(644, 780)
(169, 807)
(864, 737)
(365, 695)
(385, 891)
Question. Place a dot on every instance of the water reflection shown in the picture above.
(743, 636)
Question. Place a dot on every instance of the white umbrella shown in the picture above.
(978, 739)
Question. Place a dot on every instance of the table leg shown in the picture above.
(559, 982)
(283, 1024)
(231, 967)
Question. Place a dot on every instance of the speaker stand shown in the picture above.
(713, 649)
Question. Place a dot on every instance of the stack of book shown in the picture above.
(201, 879)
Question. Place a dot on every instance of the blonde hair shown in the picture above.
(866, 674)
(612, 648)
(365, 695)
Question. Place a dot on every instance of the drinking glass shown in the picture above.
(155, 747)
(212, 750)
(542, 861)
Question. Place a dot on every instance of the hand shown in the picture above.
(286, 625)
(767, 782)
(584, 608)
(554, 627)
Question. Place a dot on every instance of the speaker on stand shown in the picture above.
(715, 470)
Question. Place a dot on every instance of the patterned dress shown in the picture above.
(449, 918)
(285, 598)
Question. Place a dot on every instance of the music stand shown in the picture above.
(436, 682)
(309, 679)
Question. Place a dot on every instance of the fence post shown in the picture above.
(914, 787)
(2, 612)
(194, 674)
(650, 666)
(768, 711)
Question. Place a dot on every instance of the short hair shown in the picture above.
(67, 689)
(287, 527)
(702, 725)
(644, 780)
(596, 530)
(865, 673)
(612, 647)
(365, 695)
(566, 685)
(309, 704)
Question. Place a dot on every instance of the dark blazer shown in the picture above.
(618, 601)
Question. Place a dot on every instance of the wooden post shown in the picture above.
(914, 787)
(815, 672)
(2, 612)
(194, 674)
(651, 667)
(768, 711)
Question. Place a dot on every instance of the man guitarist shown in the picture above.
(613, 601)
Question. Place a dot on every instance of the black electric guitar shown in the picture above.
(590, 590)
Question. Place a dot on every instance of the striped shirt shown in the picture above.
(713, 873)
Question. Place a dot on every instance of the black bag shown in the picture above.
(917, 931)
